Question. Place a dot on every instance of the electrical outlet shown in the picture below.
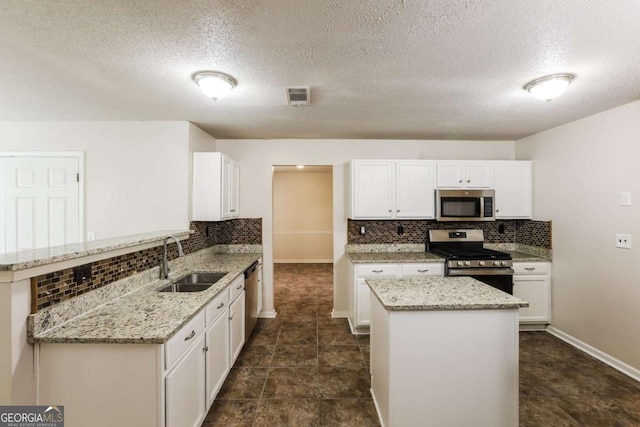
(623, 241)
(362, 230)
(91, 236)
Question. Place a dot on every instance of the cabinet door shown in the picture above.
(449, 174)
(536, 290)
(415, 185)
(363, 303)
(185, 389)
(513, 189)
(372, 189)
(207, 187)
(478, 175)
(236, 328)
(235, 192)
(227, 186)
(217, 356)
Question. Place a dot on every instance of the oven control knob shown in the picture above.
(467, 263)
(496, 262)
(481, 263)
(460, 263)
(503, 263)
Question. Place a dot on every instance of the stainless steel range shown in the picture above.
(466, 256)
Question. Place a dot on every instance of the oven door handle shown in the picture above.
(480, 272)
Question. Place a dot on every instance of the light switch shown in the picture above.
(625, 198)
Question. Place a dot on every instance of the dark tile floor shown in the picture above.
(306, 369)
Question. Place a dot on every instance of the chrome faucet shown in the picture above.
(164, 266)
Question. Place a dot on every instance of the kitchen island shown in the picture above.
(444, 351)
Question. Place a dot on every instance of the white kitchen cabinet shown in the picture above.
(236, 327)
(147, 385)
(464, 174)
(387, 189)
(372, 189)
(218, 362)
(532, 283)
(185, 389)
(359, 297)
(215, 187)
(514, 191)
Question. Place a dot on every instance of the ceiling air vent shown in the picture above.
(298, 95)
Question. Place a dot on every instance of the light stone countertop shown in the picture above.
(22, 260)
(393, 257)
(440, 293)
(147, 316)
(524, 257)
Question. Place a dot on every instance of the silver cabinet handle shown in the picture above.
(220, 306)
(468, 180)
(191, 335)
(232, 210)
(398, 210)
(206, 348)
(460, 181)
(239, 287)
(390, 210)
(422, 271)
(377, 271)
(529, 268)
(231, 317)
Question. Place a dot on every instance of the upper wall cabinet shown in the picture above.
(464, 174)
(513, 189)
(215, 187)
(388, 189)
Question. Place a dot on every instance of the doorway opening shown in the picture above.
(303, 240)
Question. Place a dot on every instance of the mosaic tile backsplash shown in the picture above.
(49, 289)
(534, 233)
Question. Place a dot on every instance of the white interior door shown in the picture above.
(41, 202)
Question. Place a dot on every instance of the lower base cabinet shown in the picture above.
(532, 283)
(185, 387)
(147, 385)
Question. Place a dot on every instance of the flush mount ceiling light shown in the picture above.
(214, 84)
(548, 87)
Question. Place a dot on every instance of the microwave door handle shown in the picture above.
(481, 207)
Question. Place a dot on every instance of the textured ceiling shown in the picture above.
(413, 69)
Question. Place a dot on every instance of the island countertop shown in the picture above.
(440, 293)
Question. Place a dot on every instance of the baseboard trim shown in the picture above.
(598, 354)
(271, 314)
(303, 261)
(339, 314)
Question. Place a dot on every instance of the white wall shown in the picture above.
(579, 171)
(137, 173)
(303, 216)
(258, 156)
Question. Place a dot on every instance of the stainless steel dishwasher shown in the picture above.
(252, 298)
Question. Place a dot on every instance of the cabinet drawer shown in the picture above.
(423, 270)
(236, 287)
(182, 340)
(217, 306)
(377, 270)
(531, 267)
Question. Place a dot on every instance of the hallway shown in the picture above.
(306, 369)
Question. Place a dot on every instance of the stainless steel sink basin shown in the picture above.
(195, 278)
(193, 282)
(174, 287)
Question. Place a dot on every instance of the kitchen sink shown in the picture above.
(194, 278)
(193, 282)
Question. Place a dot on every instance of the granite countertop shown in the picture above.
(440, 293)
(525, 257)
(22, 260)
(393, 257)
(147, 316)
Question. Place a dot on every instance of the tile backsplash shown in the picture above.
(529, 232)
(51, 288)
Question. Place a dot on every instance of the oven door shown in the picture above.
(499, 278)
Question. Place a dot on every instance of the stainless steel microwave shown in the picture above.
(465, 205)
